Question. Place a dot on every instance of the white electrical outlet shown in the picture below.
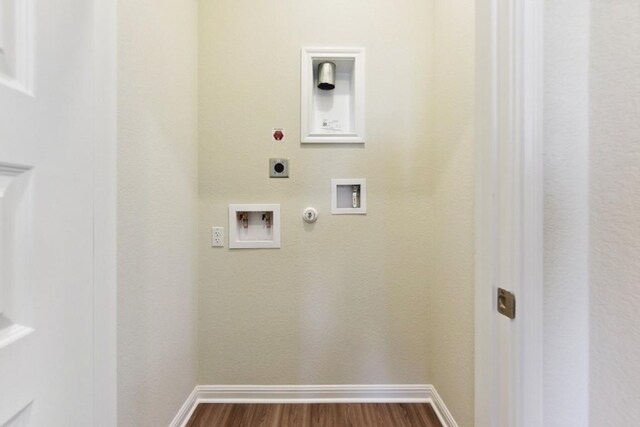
(217, 237)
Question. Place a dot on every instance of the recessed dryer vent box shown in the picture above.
(348, 196)
(254, 226)
(335, 115)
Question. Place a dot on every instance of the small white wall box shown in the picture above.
(254, 226)
(348, 196)
(335, 115)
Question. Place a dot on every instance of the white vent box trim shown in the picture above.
(333, 116)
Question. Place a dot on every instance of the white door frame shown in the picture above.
(509, 206)
(105, 391)
(509, 37)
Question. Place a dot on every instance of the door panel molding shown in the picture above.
(16, 45)
(15, 304)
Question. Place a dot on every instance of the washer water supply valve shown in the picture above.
(267, 218)
(244, 217)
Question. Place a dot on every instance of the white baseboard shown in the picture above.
(445, 417)
(184, 414)
(408, 393)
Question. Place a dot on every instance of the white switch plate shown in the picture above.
(217, 237)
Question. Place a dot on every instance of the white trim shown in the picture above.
(22, 79)
(311, 393)
(13, 333)
(509, 206)
(10, 169)
(529, 35)
(445, 417)
(387, 393)
(335, 183)
(307, 56)
(234, 240)
(105, 227)
(186, 410)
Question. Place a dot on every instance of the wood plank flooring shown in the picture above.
(314, 415)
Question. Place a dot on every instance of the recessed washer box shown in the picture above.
(337, 115)
(349, 196)
(254, 226)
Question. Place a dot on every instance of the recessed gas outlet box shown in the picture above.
(279, 168)
(254, 226)
(332, 110)
(349, 196)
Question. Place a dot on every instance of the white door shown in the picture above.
(46, 213)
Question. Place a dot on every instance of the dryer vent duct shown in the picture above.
(327, 76)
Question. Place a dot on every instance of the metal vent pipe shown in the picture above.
(327, 76)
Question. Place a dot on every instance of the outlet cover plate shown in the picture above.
(217, 237)
(278, 168)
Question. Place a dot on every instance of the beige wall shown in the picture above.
(351, 299)
(345, 300)
(452, 191)
(157, 209)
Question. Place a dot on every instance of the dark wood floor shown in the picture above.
(316, 415)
